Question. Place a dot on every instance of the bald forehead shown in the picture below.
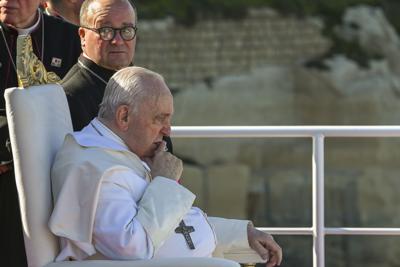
(96, 6)
(153, 86)
(152, 97)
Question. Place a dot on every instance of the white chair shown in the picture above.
(39, 119)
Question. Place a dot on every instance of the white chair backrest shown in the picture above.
(38, 119)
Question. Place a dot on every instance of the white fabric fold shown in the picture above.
(156, 208)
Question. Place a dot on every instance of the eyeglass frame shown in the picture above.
(114, 30)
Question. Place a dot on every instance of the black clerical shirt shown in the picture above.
(84, 86)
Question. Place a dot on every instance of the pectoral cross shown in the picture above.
(185, 230)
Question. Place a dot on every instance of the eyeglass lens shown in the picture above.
(108, 33)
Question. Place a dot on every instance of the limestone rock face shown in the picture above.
(370, 28)
(261, 97)
(293, 211)
(349, 80)
(215, 48)
(193, 178)
(348, 93)
(376, 199)
(228, 185)
(221, 190)
(244, 99)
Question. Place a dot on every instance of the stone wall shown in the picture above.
(214, 48)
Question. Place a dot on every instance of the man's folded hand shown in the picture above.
(165, 164)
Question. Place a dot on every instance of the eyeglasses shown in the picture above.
(108, 33)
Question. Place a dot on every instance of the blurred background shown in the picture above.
(286, 62)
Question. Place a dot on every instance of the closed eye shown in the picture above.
(161, 118)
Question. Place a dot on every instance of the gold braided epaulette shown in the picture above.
(30, 70)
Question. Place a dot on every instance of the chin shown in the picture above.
(119, 67)
(118, 64)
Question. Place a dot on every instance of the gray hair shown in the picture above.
(85, 11)
(130, 86)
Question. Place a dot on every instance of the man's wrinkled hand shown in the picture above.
(265, 245)
(165, 164)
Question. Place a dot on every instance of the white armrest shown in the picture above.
(243, 256)
(168, 262)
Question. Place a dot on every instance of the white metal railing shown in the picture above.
(318, 134)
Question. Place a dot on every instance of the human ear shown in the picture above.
(82, 34)
(122, 117)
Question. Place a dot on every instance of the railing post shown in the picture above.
(318, 202)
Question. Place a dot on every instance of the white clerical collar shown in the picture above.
(96, 135)
(27, 31)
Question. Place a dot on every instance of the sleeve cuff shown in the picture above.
(231, 234)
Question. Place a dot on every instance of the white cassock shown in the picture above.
(106, 204)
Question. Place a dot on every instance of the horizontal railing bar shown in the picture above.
(283, 131)
(362, 231)
(287, 230)
(330, 231)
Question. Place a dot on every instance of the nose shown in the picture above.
(117, 38)
(166, 130)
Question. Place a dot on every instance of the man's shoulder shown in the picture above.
(62, 45)
(75, 81)
(62, 35)
(72, 155)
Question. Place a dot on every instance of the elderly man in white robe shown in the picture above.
(116, 187)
